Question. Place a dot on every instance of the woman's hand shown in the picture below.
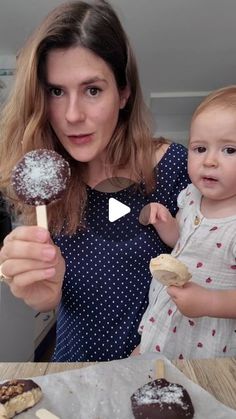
(34, 267)
(192, 299)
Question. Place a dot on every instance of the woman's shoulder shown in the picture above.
(171, 151)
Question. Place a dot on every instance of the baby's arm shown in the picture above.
(193, 300)
(136, 351)
(163, 222)
(223, 304)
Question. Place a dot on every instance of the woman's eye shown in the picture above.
(229, 150)
(93, 91)
(56, 92)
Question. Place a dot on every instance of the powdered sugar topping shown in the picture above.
(168, 394)
(40, 177)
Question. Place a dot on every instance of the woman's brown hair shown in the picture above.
(24, 125)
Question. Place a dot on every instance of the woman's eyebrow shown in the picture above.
(85, 82)
(94, 80)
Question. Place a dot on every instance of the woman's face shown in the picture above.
(83, 102)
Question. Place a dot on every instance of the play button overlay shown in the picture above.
(145, 214)
(114, 184)
(117, 210)
(113, 211)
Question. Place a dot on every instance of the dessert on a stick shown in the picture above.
(160, 399)
(39, 178)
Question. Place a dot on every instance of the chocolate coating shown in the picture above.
(12, 388)
(160, 399)
(40, 177)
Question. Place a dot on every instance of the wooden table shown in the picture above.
(217, 376)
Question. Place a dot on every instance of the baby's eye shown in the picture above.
(93, 91)
(200, 149)
(55, 91)
(229, 150)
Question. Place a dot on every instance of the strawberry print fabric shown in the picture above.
(208, 248)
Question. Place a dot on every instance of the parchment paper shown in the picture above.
(103, 391)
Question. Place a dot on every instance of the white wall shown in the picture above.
(7, 62)
(172, 113)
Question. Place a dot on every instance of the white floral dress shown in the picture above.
(208, 248)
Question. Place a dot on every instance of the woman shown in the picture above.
(77, 91)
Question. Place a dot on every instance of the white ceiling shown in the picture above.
(181, 45)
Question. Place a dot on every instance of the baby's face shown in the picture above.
(212, 153)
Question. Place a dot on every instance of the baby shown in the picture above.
(198, 320)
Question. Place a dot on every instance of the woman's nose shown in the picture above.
(75, 111)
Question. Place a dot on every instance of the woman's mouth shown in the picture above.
(80, 139)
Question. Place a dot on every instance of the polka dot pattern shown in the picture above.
(105, 290)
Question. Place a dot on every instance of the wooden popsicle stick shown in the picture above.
(41, 214)
(45, 414)
(160, 369)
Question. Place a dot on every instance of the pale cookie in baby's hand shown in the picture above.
(17, 396)
(169, 270)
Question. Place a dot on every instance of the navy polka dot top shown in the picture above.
(105, 290)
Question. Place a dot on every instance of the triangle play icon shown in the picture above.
(116, 210)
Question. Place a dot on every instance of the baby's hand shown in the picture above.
(152, 213)
(192, 299)
(136, 351)
(163, 222)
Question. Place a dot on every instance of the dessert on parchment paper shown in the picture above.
(160, 399)
(17, 396)
(169, 270)
(163, 400)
